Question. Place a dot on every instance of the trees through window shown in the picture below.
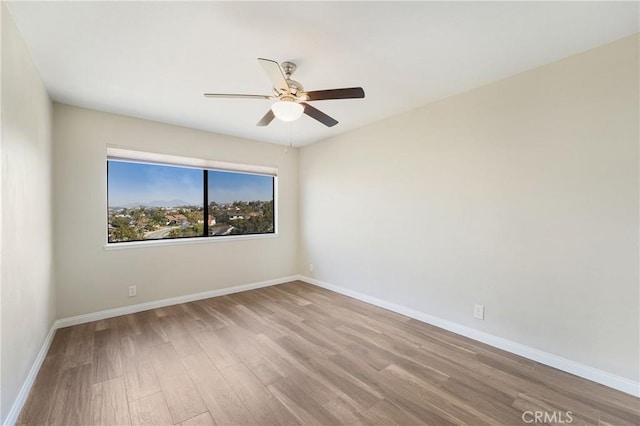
(157, 201)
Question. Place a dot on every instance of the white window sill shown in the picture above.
(183, 241)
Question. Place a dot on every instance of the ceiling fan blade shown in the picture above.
(268, 118)
(273, 70)
(318, 115)
(347, 93)
(238, 96)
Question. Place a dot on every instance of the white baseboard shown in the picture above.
(131, 309)
(12, 417)
(581, 370)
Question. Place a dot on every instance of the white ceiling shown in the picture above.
(154, 60)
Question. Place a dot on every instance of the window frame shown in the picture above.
(115, 153)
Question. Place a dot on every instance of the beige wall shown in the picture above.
(521, 195)
(91, 278)
(28, 293)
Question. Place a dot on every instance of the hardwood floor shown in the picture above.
(297, 354)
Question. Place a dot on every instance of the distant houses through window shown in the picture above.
(158, 200)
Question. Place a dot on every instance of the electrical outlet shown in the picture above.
(311, 267)
(478, 312)
(133, 291)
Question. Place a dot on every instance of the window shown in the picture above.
(158, 200)
(240, 203)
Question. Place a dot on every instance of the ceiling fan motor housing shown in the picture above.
(288, 68)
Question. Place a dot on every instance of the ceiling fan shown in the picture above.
(292, 99)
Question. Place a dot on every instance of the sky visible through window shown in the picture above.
(133, 184)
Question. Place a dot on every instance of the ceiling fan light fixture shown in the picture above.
(287, 110)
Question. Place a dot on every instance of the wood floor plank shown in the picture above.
(216, 318)
(206, 323)
(261, 403)
(179, 336)
(300, 331)
(150, 411)
(442, 401)
(332, 380)
(220, 353)
(142, 343)
(486, 399)
(413, 358)
(343, 408)
(71, 400)
(101, 325)
(266, 369)
(301, 368)
(79, 348)
(609, 400)
(298, 300)
(140, 378)
(183, 399)
(258, 304)
(224, 405)
(317, 315)
(609, 419)
(107, 356)
(38, 404)
(126, 325)
(203, 419)
(109, 403)
(301, 403)
(260, 325)
(386, 413)
(309, 293)
(283, 307)
(209, 317)
(60, 341)
(400, 396)
(191, 310)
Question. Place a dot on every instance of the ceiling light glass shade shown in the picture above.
(287, 110)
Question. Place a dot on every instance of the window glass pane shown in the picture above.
(240, 204)
(150, 202)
